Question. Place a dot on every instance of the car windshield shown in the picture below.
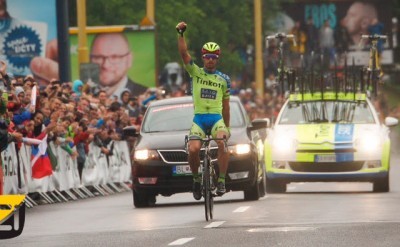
(179, 117)
(327, 111)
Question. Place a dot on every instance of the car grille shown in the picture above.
(180, 156)
(326, 167)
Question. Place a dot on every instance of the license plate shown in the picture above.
(183, 170)
(325, 158)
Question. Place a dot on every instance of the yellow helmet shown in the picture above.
(211, 47)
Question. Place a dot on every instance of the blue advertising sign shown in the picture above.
(26, 28)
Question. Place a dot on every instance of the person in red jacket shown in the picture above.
(82, 137)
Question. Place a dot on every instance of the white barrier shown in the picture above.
(120, 163)
(65, 173)
(10, 166)
(98, 169)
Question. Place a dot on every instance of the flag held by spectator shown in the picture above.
(41, 166)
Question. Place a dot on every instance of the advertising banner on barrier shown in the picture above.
(10, 166)
(99, 169)
(123, 162)
(68, 168)
(90, 172)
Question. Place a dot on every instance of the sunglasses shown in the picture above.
(211, 56)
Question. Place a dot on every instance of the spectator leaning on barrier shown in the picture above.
(81, 139)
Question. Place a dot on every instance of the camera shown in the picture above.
(56, 82)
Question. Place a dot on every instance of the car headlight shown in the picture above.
(282, 145)
(146, 154)
(240, 149)
(369, 143)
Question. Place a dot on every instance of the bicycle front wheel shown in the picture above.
(208, 198)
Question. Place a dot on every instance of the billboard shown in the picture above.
(26, 29)
(124, 54)
(353, 16)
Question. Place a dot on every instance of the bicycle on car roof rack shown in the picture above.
(374, 69)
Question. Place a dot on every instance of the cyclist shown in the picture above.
(211, 92)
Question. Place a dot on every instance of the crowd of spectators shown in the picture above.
(66, 113)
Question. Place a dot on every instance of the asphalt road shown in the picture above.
(310, 214)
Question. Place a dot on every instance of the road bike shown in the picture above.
(282, 69)
(209, 174)
(374, 69)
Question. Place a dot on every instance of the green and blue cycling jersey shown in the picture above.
(208, 90)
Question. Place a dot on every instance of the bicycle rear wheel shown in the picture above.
(208, 199)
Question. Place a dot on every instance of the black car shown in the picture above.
(159, 159)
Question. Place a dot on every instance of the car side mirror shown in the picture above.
(391, 121)
(130, 131)
(260, 123)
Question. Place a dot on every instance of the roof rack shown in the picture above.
(309, 84)
(312, 85)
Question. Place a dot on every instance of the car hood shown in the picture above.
(308, 135)
(176, 139)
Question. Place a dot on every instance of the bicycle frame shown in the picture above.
(208, 180)
(209, 175)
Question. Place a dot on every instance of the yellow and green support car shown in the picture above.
(328, 137)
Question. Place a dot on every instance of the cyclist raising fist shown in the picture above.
(210, 91)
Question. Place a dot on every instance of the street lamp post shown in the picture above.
(83, 53)
(259, 70)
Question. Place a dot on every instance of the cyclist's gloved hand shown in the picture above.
(181, 28)
(229, 131)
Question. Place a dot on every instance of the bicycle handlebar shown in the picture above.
(281, 37)
(208, 139)
(372, 37)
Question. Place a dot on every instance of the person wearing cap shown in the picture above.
(133, 107)
(77, 89)
(211, 91)
(20, 93)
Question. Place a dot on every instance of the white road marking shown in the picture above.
(181, 241)
(215, 224)
(282, 229)
(241, 209)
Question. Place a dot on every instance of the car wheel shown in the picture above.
(142, 200)
(253, 193)
(381, 185)
(275, 186)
